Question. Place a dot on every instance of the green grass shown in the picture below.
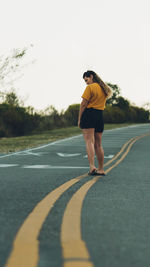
(14, 144)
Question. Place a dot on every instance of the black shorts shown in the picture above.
(92, 118)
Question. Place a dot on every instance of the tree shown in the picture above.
(12, 99)
(72, 113)
(10, 65)
(15, 121)
(116, 93)
(122, 103)
(113, 114)
(147, 106)
(50, 110)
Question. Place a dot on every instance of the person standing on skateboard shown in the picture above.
(90, 118)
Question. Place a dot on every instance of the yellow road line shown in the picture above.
(25, 251)
(74, 249)
(73, 245)
(25, 247)
(126, 152)
(119, 153)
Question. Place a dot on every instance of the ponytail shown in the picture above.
(106, 89)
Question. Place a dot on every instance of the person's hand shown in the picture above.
(79, 123)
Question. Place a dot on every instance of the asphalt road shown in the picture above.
(53, 214)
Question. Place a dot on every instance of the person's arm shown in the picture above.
(83, 105)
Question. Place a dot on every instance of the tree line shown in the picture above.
(117, 110)
(17, 120)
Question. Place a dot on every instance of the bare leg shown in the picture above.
(99, 151)
(88, 135)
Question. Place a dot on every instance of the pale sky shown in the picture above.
(110, 37)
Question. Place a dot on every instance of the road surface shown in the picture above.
(53, 214)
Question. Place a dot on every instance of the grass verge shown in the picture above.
(13, 144)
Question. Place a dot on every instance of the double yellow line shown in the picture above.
(25, 251)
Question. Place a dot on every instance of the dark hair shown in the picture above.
(107, 90)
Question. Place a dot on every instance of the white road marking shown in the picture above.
(7, 165)
(26, 153)
(68, 155)
(52, 167)
(109, 157)
(106, 157)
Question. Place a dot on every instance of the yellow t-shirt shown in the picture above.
(95, 95)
